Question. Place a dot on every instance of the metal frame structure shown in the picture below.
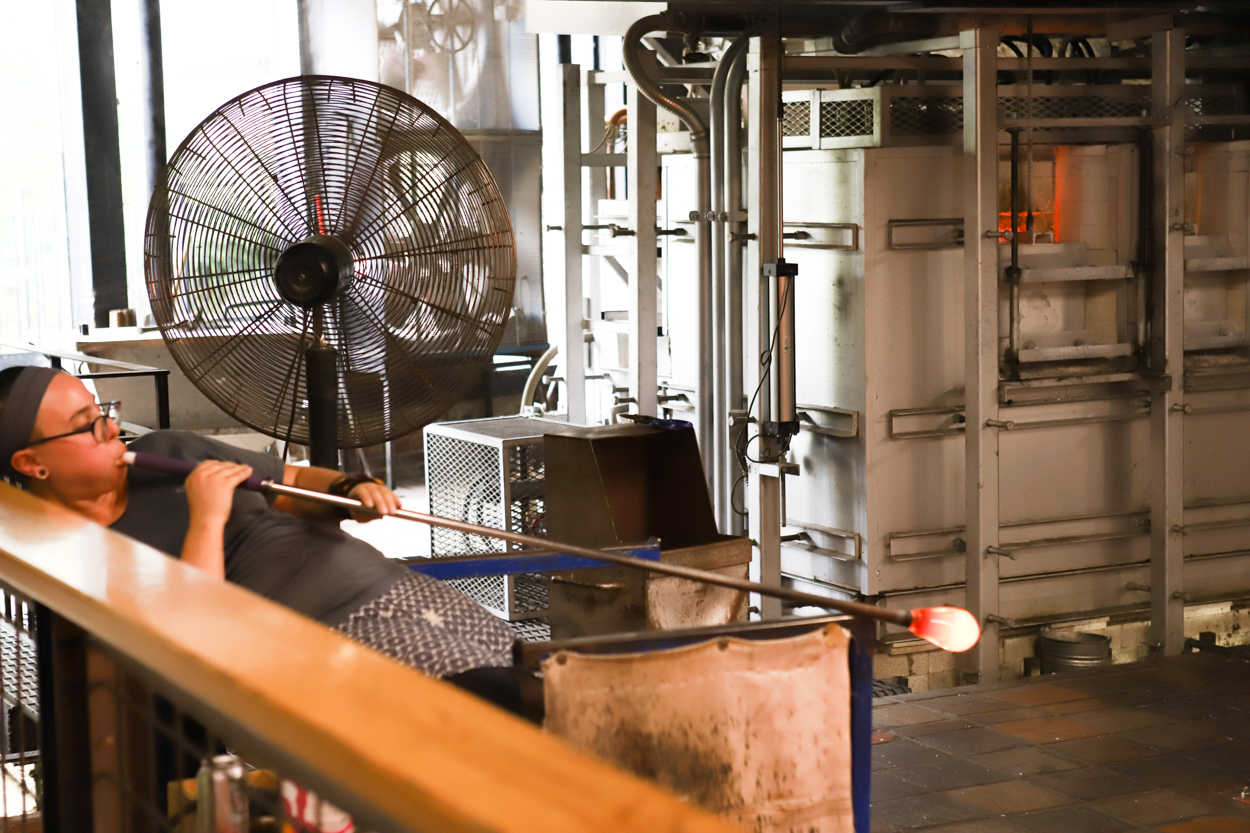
(1148, 354)
(981, 292)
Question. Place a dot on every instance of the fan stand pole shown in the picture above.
(321, 365)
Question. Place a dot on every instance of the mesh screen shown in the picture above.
(1074, 107)
(465, 480)
(796, 118)
(537, 629)
(926, 116)
(846, 118)
(1212, 105)
(19, 717)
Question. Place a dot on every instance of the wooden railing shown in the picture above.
(395, 749)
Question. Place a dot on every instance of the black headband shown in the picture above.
(17, 418)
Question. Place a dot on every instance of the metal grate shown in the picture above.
(533, 630)
(796, 118)
(1074, 106)
(472, 468)
(463, 480)
(846, 118)
(1212, 105)
(20, 782)
(926, 116)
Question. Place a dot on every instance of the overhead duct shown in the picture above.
(874, 29)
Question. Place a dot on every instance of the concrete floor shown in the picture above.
(1160, 745)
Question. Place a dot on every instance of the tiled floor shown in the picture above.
(1162, 746)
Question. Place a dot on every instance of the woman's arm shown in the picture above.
(319, 480)
(210, 496)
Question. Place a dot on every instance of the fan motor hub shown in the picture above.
(313, 271)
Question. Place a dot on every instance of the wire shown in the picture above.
(766, 360)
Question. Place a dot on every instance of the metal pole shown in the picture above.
(644, 309)
(1013, 271)
(884, 614)
(765, 127)
(733, 267)
(321, 371)
(64, 730)
(574, 312)
(150, 11)
(302, 14)
(1167, 344)
(103, 157)
(981, 339)
(722, 279)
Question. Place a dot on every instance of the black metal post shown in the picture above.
(150, 12)
(564, 48)
(64, 729)
(103, 157)
(323, 386)
(162, 400)
(1013, 272)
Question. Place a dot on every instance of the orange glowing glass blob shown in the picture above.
(950, 628)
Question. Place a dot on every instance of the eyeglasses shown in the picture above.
(98, 427)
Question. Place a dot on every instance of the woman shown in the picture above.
(62, 446)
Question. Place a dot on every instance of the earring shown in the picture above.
(42, 474)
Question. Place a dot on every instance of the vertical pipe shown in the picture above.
(1167, 347)
(570, 80)
(150, 10)
(564, 48)
(721, 307)
(103, 157)
(768, 211)
(766, 519)
(303, 17)
(981, 339)
(644, 82)
(643, 286)
(1013, 271)
(733, 266)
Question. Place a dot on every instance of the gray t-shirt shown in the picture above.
(313, 568)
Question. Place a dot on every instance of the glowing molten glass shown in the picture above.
(950, 628)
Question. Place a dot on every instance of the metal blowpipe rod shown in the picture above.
(884, 614)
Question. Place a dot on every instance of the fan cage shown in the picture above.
(432, 249)
(490, 472)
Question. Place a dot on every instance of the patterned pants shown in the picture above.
(431, 627)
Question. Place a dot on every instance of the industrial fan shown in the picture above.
(330, 262)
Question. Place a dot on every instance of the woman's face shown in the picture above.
(78, 467)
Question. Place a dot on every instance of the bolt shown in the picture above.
(1001, 552)
(1006, 425)
(1183, 409)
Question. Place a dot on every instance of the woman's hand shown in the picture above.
(210, 495)
(378, 497)
(210, 491)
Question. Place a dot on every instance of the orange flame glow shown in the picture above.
(950, 628)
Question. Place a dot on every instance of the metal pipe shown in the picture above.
(630, 47)
(898, 617)
(150, 14)
(720, 301)
(531, 383)
(735, 240)
(1013, 271)
(769, 223)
